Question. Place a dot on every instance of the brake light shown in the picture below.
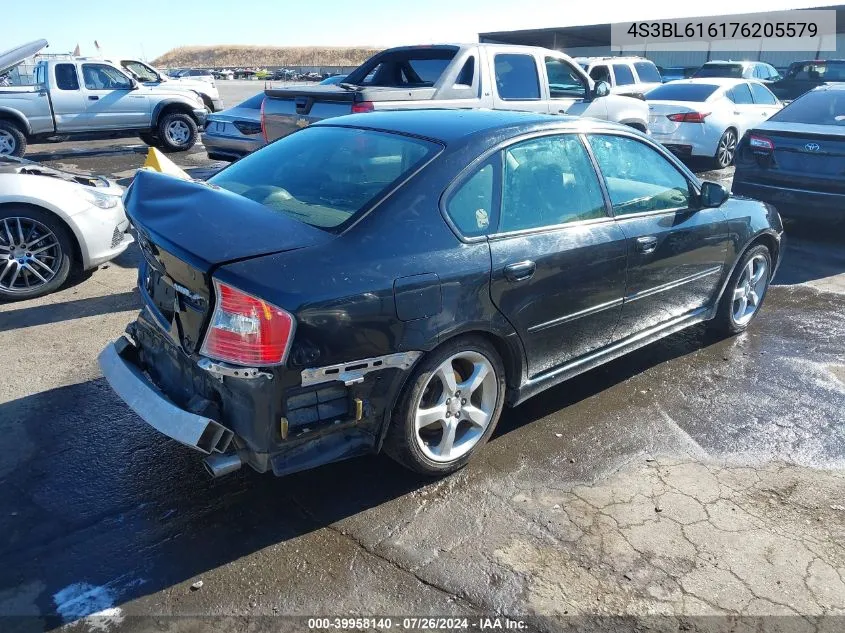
(688, 117)
(263, 122)
(245, 330)
(761, 143)
(362, 106)
(248, 127)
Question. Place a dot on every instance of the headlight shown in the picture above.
(101, 200)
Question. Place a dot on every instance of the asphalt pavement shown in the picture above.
(701, 478)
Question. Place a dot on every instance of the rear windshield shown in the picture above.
(681, 92)
(414, 68)
(720, 70)
(823, 107)
(324, 176)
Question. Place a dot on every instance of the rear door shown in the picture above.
(767, 103)
(68, 101)
(111, 101)
(676, 252)
(558, 258)
(516, 79)
(746, 113)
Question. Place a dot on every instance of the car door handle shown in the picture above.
(93, 97)
(646, 244)
(520, 271)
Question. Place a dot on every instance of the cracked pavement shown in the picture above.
(699, 478)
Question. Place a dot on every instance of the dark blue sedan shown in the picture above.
(389, 281)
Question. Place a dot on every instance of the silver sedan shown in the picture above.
(707, 117)
(233, 133)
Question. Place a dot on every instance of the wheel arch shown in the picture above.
(767, 239)
(17, 117)
(78, 257)
(171, 105)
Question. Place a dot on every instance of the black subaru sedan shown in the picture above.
(390, 281)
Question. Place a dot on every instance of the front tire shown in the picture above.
(726, 149)
(449, 408)
(12, 139)
(177, 132)
(745, 291)
(35, 253)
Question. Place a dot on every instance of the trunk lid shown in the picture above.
(185, 231)
(658, 112)
(806, 156)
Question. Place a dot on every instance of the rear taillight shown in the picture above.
(760, 143)
(362, 106)
(248, 127)
(263, 121)
(245, 330)
(688, 117)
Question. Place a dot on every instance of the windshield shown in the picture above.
(681, 92)
(140, 71)
(823, 107)
(324, 176)
(733, 71)
(817, 71)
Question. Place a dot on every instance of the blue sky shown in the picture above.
(152, 27)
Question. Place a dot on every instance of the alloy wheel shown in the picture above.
(8, 144)
(456, 406)
(726, 149)
(749, 289)
(30, 255)
(178, 132)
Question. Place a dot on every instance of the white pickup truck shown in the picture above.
(92, 98)
(494, 76)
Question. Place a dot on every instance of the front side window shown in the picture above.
(103, 77)
(471, 205)
(548, 181)
(323, 176)
(516, 77)
(564, 81)
(66, 77)
(639, 179)
(623, 74)
(762, 95)
(600, 73)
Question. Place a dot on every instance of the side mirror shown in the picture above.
(601, 89)
(713, 195)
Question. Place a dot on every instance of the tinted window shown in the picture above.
(741, 94)
(600, 73)
(324, 176)
(549, 181)
(762, 95)
(639, 179)
(682, 92)
(467, 74)
(102, 77)
(417, 67)
(825, 107)
(516, 77)
(647, 72)
(425, 71)
(720, 70)
(623, 74)
(564, 80)
(817, 71)
(66, 77)
(471, 205)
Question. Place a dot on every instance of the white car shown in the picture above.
(52, 222)
(707, 117)
(202, 84)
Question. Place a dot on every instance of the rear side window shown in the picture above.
(623, 74)
(324, 176)
(647, 72)
(549, 181)
(682, 92)
(821, 107)
(471, 205)
(516, 77)
(762, 95)
(741, 94)
(66, 77)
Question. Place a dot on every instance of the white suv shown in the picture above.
(632, 76)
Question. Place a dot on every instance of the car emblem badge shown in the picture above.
(812, 147)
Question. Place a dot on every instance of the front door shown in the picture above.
(676, 252)
(112, 102)
(569, 90)
(558, 258)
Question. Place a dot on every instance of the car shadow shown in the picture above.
(813, 251)
(92, 493)
(68, 310)
(93, 152)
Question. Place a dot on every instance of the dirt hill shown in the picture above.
(261, 56)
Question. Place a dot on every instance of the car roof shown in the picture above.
(722, 82)
(627, 58)
(449, 126)
(723, 62)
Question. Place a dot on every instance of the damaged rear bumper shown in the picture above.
(152, 406)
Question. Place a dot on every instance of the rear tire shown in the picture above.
(12, 139)
(744, 292)
(726, 149)
(177, 132)
(49, 246)
(449, 407)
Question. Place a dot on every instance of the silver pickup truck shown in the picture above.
(87, 97)
(494, 76)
